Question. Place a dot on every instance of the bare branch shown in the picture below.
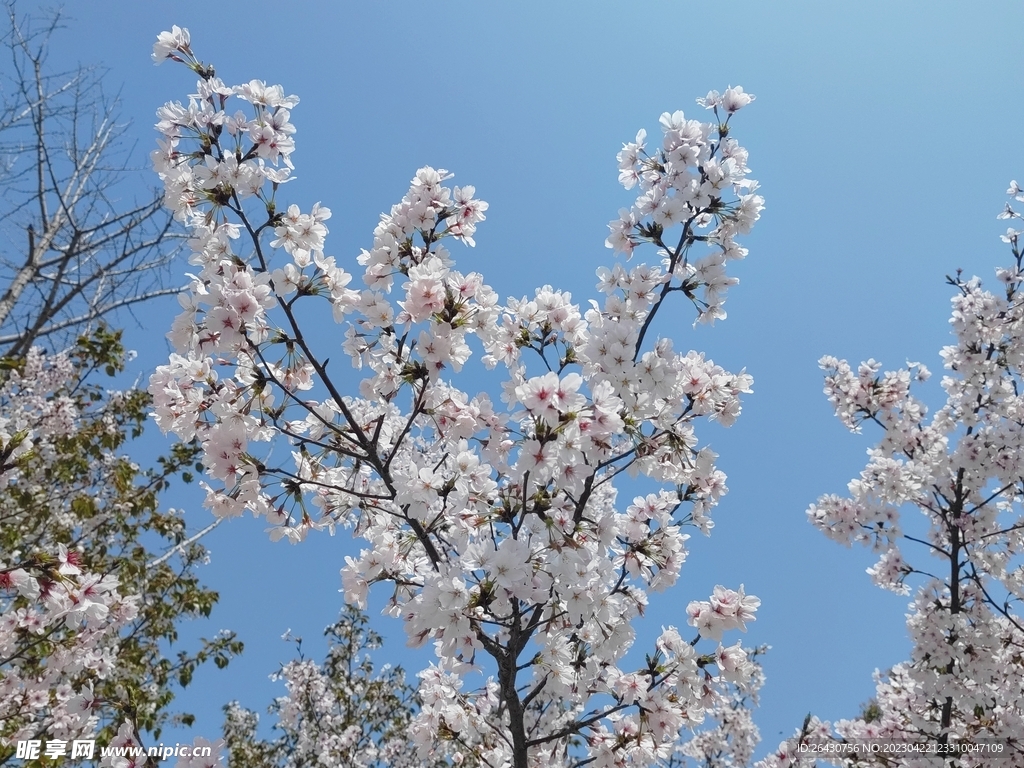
(184, 545)
(74, 246)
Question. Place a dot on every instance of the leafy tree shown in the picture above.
(96, 577)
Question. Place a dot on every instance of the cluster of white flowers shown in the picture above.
(499, 531)
(36, 410)
(201, 753)
(725, 610)
(687, 182)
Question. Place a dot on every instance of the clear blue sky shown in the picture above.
(884, 135)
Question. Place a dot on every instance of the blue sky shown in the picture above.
(884, 136)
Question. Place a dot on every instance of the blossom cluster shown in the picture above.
(725, 610)
(126, 750)
(36, 411)
(686, 182)
(499, 529)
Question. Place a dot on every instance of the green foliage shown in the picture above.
(870, 712)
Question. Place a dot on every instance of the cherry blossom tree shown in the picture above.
(963, 470)
(500, 533)
(95, 578)
(60, 622)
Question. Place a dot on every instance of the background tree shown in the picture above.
(340, 712)
(96, 577)
(74, 247)
(96, 574)
(343, 712)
